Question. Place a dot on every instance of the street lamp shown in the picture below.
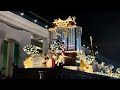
(21, 14)
(46, 26)
(35, 21)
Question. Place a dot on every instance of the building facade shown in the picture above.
(15, 33)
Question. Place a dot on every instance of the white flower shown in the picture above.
(31, 49)
(111, 67)
(90, 59)
(118, 70)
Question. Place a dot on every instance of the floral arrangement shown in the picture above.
(118, 70)
(31, 49)
(90, 59)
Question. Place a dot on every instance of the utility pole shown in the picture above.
(91, 42)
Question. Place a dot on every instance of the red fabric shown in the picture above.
(72, 54)
(53, 63)
(63, 51)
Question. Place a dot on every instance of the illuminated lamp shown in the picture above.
(46, 26)
(21, 14)
(35, 21)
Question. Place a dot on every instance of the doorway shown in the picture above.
(10, 56)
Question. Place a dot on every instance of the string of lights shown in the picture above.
(40, 17)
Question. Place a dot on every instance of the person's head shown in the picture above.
(53, 51)
(49, 49)
(46, 58)
(49, 55)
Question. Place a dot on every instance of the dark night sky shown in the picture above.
(103, 25)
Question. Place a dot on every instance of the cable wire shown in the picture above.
(40, 17)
